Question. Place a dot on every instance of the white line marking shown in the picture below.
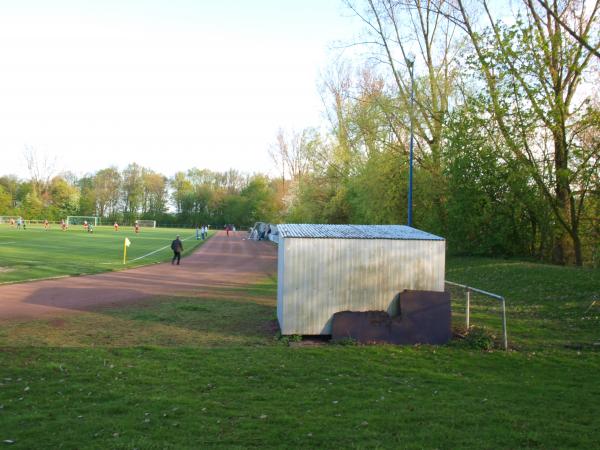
(6, 243)
(67, 276)
(36, 279)
(156, 251)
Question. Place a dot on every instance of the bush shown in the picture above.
(345, 341)
(480, 338)
(286, 339)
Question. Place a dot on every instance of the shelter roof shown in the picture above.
(325, 231)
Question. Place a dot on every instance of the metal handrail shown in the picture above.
(468, 290)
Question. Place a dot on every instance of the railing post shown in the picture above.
(468, 290)
(468, 312)
(504, 332)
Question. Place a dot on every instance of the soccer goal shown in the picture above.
(78, 220)
(7, 219)
(147, 223)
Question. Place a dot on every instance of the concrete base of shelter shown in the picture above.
(424, 318)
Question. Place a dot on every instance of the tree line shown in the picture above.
(198, 196)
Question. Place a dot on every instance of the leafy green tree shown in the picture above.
(64, 198)
(10, 183)
(32, 206)
(534, 72)
(87, 197)
(154, 194)
(258, 201)
(378, 191)
(235, 210)
(182, 192)
(6, 202)
(132, 190)
(107, 188)
(491, 203)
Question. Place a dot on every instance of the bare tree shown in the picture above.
(41, 169)
(579, 34)
(292, 154)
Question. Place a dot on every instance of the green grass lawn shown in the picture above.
(208, 371)
(37, 253)
(547, 306)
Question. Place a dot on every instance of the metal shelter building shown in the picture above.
(324, 269)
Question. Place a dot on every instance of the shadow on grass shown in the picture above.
(214, 318)
(227, 317)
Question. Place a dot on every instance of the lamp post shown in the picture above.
(410, 60)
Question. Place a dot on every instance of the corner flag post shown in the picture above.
(126, 244)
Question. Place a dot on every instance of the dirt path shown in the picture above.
(220, 263)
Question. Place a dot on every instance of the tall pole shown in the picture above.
(411, 67)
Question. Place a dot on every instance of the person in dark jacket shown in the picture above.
(177, 247)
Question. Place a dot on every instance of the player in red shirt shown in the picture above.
(116, 226)
(46, 224)
(137, 227)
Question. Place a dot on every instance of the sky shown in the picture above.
(169, 84)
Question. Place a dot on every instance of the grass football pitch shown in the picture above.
(37, 253)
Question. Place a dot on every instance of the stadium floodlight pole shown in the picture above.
(410, 60)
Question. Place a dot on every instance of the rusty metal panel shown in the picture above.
(425, 318)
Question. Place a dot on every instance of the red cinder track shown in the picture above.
(222, 262)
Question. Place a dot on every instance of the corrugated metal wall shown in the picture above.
(280, 279)
(319, 277)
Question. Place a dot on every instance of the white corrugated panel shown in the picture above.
(280, 280)
(319, 277)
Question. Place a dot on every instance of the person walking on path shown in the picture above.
(198, 232)
(177, 247)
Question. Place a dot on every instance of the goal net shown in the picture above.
(147, 223)
(7, 219)
(78, 220)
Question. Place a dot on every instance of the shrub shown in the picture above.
(480, 338)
